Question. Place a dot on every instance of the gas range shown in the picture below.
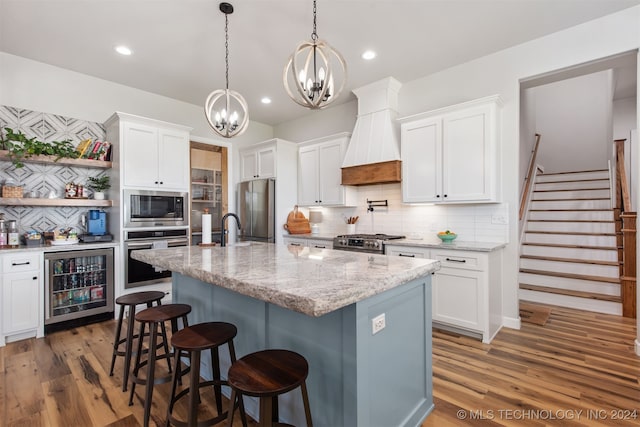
(369, 243)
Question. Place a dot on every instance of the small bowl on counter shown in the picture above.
(448, 237)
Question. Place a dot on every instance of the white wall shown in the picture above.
(501, 73)
(624, 117)
(527, 131)
(573, 118)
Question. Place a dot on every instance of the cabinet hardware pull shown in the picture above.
(35, 277)
(161, 182)
(455, 260)
(320, 247)
(407, 255)
(295, 244)
(20, 263)
(445, 195)
(156, 182)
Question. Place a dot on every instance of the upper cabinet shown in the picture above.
(153, 154)
(258, 162)
(450, 155)
(320, 173)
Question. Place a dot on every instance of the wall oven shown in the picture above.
(143, 208)
(138, 273)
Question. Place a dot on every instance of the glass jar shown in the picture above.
(3, 234)
(13, 237)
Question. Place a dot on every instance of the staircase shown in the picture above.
(569, 253)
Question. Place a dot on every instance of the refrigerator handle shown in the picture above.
(47, 290)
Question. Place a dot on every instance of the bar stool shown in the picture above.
(131, 301)
(267, 374)
(155, 316)
(193, 340)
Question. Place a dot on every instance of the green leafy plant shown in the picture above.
(20, 147)
(99, 183)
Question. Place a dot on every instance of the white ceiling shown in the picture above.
(179, 44)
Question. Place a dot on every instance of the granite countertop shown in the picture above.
(435, 243)
(307, 280)
(319, 236)
(60, 248)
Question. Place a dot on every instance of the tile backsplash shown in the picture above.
(472, 222)
(46, 178)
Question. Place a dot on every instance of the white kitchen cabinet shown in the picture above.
(406, 251)
(258, 162)
(152, 154)
(306, 242)
(467, 291)
(450, 155)
(22, 295)
(320, 173)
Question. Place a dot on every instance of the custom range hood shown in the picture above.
(373, 154)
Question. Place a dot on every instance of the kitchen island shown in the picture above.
(324, 304)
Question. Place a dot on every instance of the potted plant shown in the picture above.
(99, 184)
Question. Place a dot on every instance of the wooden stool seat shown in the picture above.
(267, 374)
(194, 339)
(131, 301)
(155, 317)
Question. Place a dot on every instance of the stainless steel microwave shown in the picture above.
(143, 208)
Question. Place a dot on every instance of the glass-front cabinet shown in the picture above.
(78, 284)
(206, 191)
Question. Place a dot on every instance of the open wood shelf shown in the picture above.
(14, 201)
(64, 161)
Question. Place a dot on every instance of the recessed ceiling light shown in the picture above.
(123, 50)
(266, 100)
(368, 55)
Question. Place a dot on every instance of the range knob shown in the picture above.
(376, 244)
(342, 241)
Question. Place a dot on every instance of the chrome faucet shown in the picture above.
(223, 238)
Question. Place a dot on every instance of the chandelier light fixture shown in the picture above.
(312, 71)
(226, 110)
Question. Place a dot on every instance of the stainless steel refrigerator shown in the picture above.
(256, 209)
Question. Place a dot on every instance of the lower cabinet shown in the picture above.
(308, 242)
(22, 292)
(467, 290)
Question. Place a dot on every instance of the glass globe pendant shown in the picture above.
(226, 110)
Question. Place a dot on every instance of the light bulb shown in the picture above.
(217, 118)
(234, 118)
(302, 77)
(224, 114)
(321, 75)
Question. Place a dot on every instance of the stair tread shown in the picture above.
(567, 189)
(574, 260)
(568, 292)
(571, 199)
(570, 210)
(574, 233)
(571, 275)
(572, 220)
(560, 245)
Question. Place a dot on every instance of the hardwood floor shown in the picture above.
(579, 369)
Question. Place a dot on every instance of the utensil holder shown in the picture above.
(351, 229)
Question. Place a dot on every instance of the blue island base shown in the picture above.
(356, 378)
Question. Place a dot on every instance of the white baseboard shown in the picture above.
(511, 322)
(638, 347)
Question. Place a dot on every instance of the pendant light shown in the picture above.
(312, 70)
(226, 110)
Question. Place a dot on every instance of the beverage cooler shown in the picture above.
(78, 284)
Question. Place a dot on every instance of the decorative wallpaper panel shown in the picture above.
(46, 178)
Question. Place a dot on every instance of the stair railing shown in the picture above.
(526, 191)
(628, 229)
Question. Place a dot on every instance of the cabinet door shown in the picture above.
(140, 156)
(293, 241)
(173, 160)
(421, 161)
(248, 165)
(458, 299)
(20, 301)
(267, 163)
(467, 155)
(330, 174)
(406, 251)
(308, 176)
(319, 244)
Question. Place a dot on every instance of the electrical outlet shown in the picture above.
(378, 323)
(499, 219)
